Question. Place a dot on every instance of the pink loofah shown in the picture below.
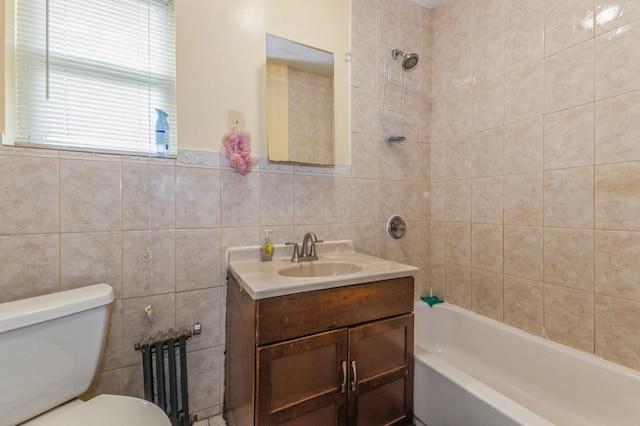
(238, 151)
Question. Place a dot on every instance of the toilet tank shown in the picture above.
(50, 347)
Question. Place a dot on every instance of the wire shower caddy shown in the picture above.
(394, 118)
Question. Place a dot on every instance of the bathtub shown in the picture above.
(471, 370)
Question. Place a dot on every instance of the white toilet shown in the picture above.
(50, 347)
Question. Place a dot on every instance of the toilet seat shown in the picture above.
(105, 410)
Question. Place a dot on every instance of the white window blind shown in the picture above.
(90, 73)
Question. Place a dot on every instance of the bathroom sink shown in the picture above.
(338, 265)
(320, 268)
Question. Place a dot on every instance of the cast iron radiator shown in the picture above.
(164, 363)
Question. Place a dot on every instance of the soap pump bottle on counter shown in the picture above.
(266, 249)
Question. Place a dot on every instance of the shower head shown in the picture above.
(409, 60)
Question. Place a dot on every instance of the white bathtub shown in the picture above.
(471, 370)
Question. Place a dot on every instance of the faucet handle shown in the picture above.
(313, 248)
(296, 251)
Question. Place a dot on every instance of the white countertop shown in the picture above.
(262, 279)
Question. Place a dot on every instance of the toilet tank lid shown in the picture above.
(34, 310)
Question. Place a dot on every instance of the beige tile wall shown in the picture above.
(536, 167)
(310, 132)
(73, 219)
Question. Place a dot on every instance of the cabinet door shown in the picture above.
(381, 372)
(300, 381)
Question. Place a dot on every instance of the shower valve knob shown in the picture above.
(396, 227)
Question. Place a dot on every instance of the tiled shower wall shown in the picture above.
(536, 167)
(73, 219)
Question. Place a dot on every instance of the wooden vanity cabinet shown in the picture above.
(340, 356)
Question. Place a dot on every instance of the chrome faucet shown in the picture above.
(308, 250)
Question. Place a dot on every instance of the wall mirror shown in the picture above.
(300, 103)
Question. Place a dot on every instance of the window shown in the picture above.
(91, 73)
